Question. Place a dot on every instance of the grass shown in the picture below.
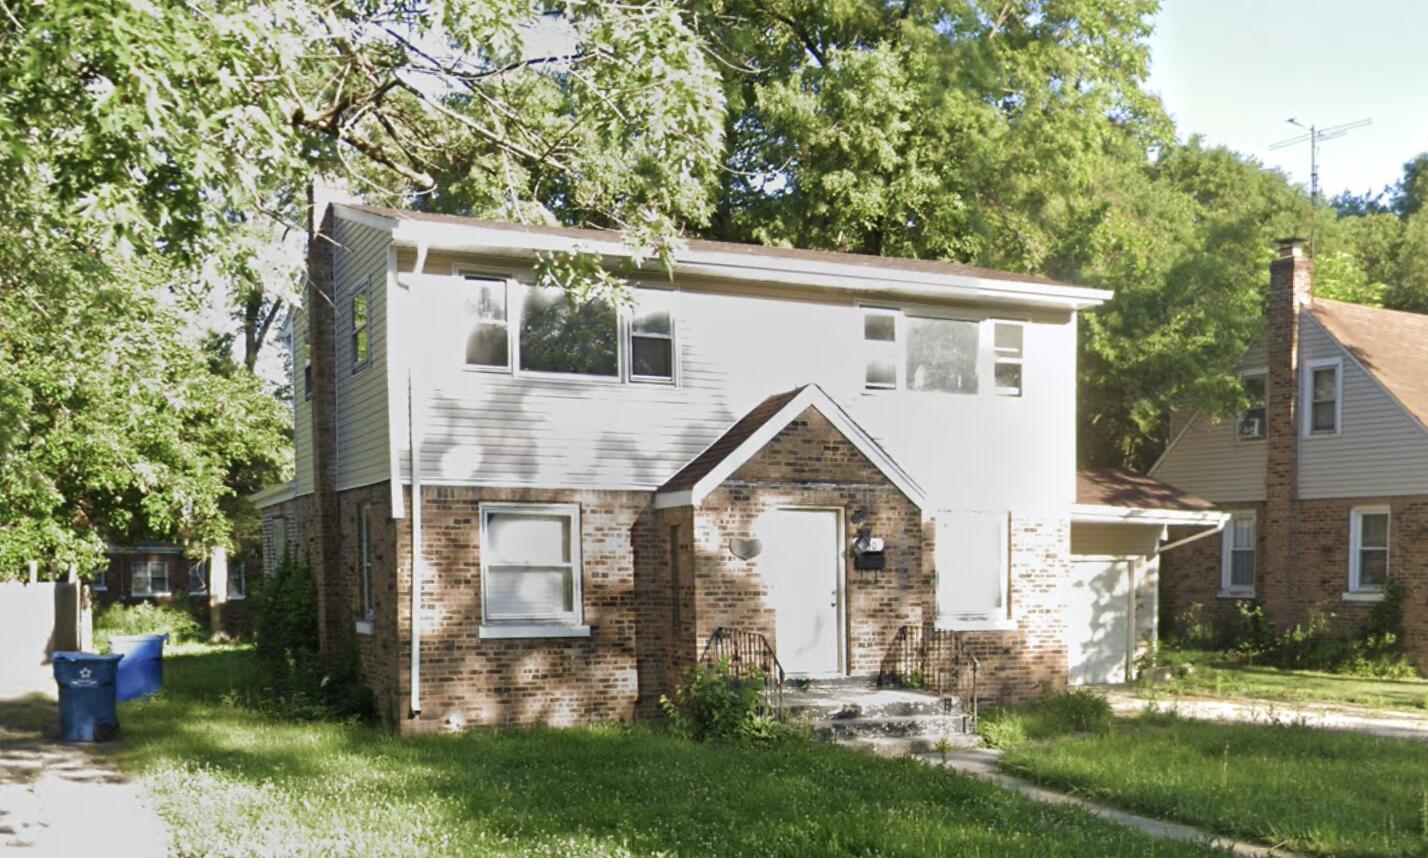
(230, 780)
(1213, 674)
(1312, 791)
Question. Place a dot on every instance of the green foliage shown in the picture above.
(718, 704)
(145, 618)
(1078, 711)
(298, 682)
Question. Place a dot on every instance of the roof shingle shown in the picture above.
(1391, 344)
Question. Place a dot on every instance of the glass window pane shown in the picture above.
(487, 300)
(1242, 569)
(1373, 530)
(881, 327)
(558, 335)
(237, 579)
(653, 322)
(1009, 339)
(652, 358)
(881, 373)
(359, 345)
(1254, 389)
(1373, 567)
(359, 310)
(522, 537)
(529, 592)
(942, 355)
(1244, 533)
(1009, 376)
(1322, 417)
(198, 577)
(1324, 384)
(488, 345)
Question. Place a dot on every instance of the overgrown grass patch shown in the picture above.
(1216, 674)
(1311, 790)
(232, 780)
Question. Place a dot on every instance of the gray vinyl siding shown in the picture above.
(1210, 460)
(1379, 451)
(734, 350)
(362, 431)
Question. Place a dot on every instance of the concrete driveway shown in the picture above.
(59, 799)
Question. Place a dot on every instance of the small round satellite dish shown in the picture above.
(745, 549)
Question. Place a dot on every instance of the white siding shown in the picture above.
(361, 258)
(1380, 450)
(1211, 461)
(967, 451)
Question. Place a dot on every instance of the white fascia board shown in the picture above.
(812, 396)
(375, 221)
(832, 275)
(1095, 514)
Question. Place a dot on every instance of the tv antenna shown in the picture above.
(1314, 137)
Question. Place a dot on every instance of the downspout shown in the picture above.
(415, 464)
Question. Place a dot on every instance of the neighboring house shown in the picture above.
(164, 574)
(521, 510)
(1326, 475)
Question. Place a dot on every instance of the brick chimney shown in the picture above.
(1291, 289)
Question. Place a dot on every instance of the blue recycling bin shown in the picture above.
(86, 696)
(141, 671)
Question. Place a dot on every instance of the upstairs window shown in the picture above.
(941, 354)
(197, 577)
(530, 563)
(1368, 549)
(148, 578)
(652, 339)
(1322, 414)
(1237, 557)
(488, 338)
(561, 335)
(1007, 344)
(306, 360)
(880, 349)
(361, 339)
(1252, 420)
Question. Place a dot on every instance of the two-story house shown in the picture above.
(522, 509)
(1325, 476)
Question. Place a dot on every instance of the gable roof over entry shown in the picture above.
(742, 441)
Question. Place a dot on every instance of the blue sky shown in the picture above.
(1234, 70)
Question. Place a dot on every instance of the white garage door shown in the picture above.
(1098, 621)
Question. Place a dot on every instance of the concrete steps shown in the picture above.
(884, 721)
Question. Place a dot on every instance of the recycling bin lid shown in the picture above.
(82, 669)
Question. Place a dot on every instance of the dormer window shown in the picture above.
(1252, 419)
(488, 337)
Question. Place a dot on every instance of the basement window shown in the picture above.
(530, 570)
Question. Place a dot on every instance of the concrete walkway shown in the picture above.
(982, 763)
(1387, 723)
(65, 800)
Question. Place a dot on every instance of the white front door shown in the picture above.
(802, 556)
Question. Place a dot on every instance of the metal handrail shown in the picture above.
(743, 650)
(938, 660)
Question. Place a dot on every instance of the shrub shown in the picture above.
(298, 682)
(718, 704)
(145, 618)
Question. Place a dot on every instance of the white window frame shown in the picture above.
(513, 327)
(99, 580)
(150, 592)
(197, 561)
(1307, 398)
(1001, 619)
(516, 319)
(1263, 375)
(364, 291)
(987, 357)
(1357, 589)
(628, 335)
(570, 625)
(1227, 548)
(898, 344)
(364, 569)
(998, 358)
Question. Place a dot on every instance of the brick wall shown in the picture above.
(1190, 574)
(469, 681)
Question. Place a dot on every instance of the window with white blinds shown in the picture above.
(530, 563)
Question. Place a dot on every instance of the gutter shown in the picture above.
(1096, 514)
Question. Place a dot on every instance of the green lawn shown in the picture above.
(232, 781)
(1219, 675)
(1311, 790)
